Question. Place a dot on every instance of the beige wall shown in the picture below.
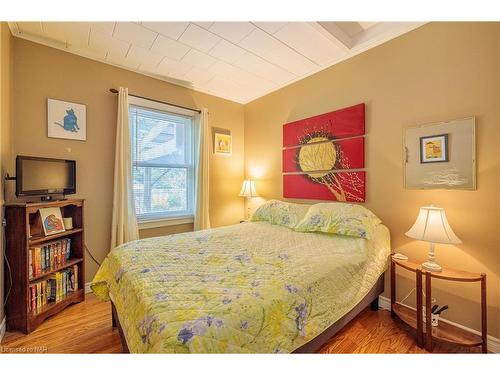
(6, 57)
(437, 72)
(41, 72)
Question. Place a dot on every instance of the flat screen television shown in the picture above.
(44, 176)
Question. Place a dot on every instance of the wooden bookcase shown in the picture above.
(24, 230)
(444, 332)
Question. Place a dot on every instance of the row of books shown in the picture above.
(49, 257)
(54, 289)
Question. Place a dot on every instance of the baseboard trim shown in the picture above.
(3, 325)
(87, 288)
(493, 342)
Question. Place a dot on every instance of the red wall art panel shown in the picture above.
(325, 156)
(344, 123)
(338, 186)
(318, 163)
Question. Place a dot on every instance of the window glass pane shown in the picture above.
(160, 190)
(159, 138)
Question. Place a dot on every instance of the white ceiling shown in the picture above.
(239, 61)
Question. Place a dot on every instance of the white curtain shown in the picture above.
(124, 222)
(201, 214)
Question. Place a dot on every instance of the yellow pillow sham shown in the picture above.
(339, 218)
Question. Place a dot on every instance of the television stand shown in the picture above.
(24, 231)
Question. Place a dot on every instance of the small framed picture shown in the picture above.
(434, 149)
(52, 220)
(223, 144)
(66, 120)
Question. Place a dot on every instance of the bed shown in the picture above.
(253, 287)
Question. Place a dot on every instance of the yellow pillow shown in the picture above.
(280, 213)
(339, 218)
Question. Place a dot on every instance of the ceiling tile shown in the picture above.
(290, 60)
(87, 52)
(270, 27)
(135, 34)
(256, 65)
(198, 59)
(169, 47)
(259, 42)
(223, 84)
(30, 28)
(103, 43)
(174, 68)
(308, 41)
(271, 54)
(227, 51)
(232, 31)
(205, 25)
(198, 76)
(75, 33)
(145, 59)
(199, 38)
(239, 75)
(172, 30)
(103, 27)
(115, 59)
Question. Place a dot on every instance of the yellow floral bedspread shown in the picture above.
(247, 288)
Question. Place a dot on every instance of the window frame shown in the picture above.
(159, 219)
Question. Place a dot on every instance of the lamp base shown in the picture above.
(432, 266)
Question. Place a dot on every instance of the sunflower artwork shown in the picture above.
(323, 156)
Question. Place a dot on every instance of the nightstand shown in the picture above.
(444, 332)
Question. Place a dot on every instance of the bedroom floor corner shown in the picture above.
(86, 328)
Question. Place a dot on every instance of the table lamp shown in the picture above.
(248, 191)
(432, 226)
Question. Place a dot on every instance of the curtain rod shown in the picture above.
(115, 91)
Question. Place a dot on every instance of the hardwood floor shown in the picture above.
(86, 328)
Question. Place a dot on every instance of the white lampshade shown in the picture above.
(248, 189)
(432, 226)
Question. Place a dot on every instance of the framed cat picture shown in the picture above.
(66, 120)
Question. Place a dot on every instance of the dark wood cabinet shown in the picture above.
(23, 231)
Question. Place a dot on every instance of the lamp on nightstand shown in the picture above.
(248, 191)
(432, 226)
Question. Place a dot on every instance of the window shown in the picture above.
(162, 160)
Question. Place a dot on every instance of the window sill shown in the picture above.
(165, 222)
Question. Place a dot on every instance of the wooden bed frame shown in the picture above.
(315, 344)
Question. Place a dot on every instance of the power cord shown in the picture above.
(92, 256)
(10, 280)
(409, 294)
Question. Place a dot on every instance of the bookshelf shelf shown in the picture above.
(51, 306)
(35, 240)
(24, 231)
(69, 263)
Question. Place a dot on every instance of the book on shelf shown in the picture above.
(55, 288)
(48, 257)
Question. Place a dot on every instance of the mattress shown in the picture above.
(253, 287)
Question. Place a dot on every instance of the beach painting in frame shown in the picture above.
(223, 144)
(52, 221)
(434, 149)
(66, 120)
